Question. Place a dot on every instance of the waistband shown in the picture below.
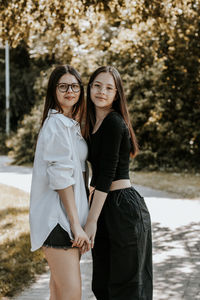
(121, 190)
(120, 184)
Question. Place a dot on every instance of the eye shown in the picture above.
(110, 88)
(75, 85)
(62, 85)
(97, 85)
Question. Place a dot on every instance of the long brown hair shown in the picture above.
(51, 101)
(119, 105)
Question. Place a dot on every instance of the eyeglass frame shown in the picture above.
(69, 85)
(91, 85)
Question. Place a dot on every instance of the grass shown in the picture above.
(18, 265)
(184, 185)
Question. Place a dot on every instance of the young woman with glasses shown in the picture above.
(58, 205)
(118, 223)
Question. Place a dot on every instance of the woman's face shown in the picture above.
(68, 92)
(103, 90)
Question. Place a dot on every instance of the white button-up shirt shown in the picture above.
(59, 161)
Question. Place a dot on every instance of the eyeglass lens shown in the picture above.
(64, 87)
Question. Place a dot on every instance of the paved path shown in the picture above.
(176, 245)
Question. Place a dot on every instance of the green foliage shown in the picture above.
(22, 144)
(24, 141)
(160, 64)
(18, 265)
(155, 46)
(23, 74)
(3, 148)
(145, 158)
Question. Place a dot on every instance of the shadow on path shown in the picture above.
(176, 262)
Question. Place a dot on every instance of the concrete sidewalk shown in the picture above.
(176, 244)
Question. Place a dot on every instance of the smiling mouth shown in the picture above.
(69, 98)
(100, 98)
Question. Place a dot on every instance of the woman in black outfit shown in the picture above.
(118, 219)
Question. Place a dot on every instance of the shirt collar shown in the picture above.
(66, 121)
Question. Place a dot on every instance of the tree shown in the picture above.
(154, 45)
(22, 76)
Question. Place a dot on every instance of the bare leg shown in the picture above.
(65, 272)
(52, 287)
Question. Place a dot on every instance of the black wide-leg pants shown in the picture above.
(122, 253)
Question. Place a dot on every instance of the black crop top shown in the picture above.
(109, 150)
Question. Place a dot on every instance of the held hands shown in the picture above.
(80, 237)
(90, 230)
(84, 239)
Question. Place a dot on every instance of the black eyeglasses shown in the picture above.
(63, 87)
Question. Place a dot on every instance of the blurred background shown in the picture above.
(155, 45)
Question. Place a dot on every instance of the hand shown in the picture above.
(80, 237)
(84, 248)
(90, 229)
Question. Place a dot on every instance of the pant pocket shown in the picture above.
(144, 213)
(121, 218)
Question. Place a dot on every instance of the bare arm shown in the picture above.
(68, 200)
(95, 210)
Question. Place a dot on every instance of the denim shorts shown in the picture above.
(58, 238)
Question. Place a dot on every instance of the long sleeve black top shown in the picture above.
(109, 150)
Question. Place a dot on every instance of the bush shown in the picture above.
(3, 147)
(23, 143)
(145, 160)
(23, 74)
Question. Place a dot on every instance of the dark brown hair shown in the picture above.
(51, 101)
(119, 105)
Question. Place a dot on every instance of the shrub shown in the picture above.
(23, 143)
(3, 147)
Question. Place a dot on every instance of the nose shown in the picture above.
(69, 89)
(102, 89)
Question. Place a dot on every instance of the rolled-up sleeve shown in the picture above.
(58, 155)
